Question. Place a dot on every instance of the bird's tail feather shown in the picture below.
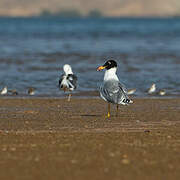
(127, 101)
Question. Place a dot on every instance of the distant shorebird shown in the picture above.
(13, 92)
(112, 90)
(152, 89)
(162, 92)
(4, 91)
(68, 81)
(131, 91)
(31, 91)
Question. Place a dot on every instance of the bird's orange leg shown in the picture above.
(108, 115)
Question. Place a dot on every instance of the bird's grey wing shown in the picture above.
(122, 87)
(72, 81)
(114, 92)
(125, 99)
(109, 91)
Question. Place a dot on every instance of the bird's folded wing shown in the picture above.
(72, 80)
(113, 91)
(61, 79)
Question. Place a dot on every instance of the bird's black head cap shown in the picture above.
(110, 64)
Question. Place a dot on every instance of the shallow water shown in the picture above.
(33, 51)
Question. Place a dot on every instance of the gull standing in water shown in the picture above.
(112, 90)
(68, 81)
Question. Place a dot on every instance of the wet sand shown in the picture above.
(54, 139)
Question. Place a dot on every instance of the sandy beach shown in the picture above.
(50, 138)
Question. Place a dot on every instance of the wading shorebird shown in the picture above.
(31, 91)
(152, 89)
(68, 81)
(13, 92)
(131, 91)
(112, 90)
(162, 92)
(4, 91)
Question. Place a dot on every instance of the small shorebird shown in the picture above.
(162, 92)
(152, 89)
(31, 91)
(131, 91)
(13, 92)
(68, 81)
(112, 90)
(4, 91)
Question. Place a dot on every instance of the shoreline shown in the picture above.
(144, 112)
(85, 95)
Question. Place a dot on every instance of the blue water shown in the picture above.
(33, 51)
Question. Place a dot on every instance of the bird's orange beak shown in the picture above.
(101, 68)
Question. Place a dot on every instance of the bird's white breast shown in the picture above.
(110, 74)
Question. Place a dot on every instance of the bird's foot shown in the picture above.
(108, 115)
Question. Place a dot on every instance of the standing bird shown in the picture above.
(31, 91)
(152, 89)
(162, 92)
(13, 92)
(131, 91)
(4, 91)
(68, 81)
(112, 90)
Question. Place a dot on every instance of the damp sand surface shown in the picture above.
(55, 139)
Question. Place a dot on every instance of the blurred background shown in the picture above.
(38, 37)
